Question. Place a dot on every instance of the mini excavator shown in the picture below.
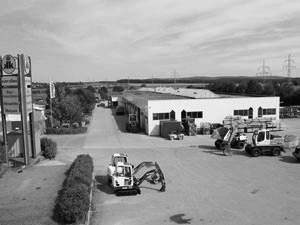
(124, 178)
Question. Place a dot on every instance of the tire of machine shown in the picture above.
(276, 151)
(255, 152)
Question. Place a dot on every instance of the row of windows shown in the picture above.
(195, 114)
(166, 116)
(269, 111)
(161, 116)
(245, 112)
(241, 112)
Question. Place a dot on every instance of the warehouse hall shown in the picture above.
(152, 105)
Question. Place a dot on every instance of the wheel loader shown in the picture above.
(123, 177)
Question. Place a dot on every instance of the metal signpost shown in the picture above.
(16, 98)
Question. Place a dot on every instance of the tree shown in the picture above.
(91, 88)
(117, 89)
(253, 87)
(241, 88)
(68, 110)
(269, 89)
(86, 98)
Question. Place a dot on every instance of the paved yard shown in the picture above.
(203, 186)
(27, 198)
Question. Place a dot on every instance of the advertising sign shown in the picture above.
(9, 64)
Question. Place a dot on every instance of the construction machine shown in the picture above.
(263, 142)
(296, 153)
(132, 124)
(123, 177)
(229, 137)
(174, 135)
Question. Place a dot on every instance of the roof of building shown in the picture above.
(140, 98)
(184, 92)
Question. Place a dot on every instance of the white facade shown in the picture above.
(213, 110)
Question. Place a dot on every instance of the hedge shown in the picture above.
(64, 130)
(72, 202)
(48, 148)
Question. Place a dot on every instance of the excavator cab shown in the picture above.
(261, 138)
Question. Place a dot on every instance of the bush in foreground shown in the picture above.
(72, 202)
(48, 148)
(79, 130)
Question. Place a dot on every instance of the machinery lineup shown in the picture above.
(123, 177)
(263, 142)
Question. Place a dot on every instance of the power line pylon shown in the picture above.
(264, 70)
(289, 66)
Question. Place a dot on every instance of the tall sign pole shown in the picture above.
(51, 95)
(23, 107)
(4, 128)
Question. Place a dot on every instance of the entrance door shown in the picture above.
(250, 116)
(260, 112)
(183, 115)
(172, 115)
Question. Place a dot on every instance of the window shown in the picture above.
(270, 111)
(261, 136)
(195, 114)
(240, 112)
(161, 116)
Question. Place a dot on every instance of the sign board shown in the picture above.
(28, 94)
(9, 64)
(11, 81)
(27, 65)
(10, 94)
(52, 89)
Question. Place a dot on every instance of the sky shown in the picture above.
(92, 40)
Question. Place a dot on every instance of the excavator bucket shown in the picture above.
(154, 175)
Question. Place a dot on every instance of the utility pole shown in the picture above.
(174, 76)
(264, 70)
(289, 66)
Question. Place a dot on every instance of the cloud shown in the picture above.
(115, 37)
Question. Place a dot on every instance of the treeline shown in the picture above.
(206, 79)
(289, 91)
(71, 106)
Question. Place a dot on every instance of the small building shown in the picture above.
(155, 105)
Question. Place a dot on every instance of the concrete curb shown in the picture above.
(88, 217)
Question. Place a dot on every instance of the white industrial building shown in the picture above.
(155, 104)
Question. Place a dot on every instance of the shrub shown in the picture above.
(48, 148)
(72, 202)
(63, 130)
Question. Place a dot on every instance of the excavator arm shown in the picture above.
(153, 175)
